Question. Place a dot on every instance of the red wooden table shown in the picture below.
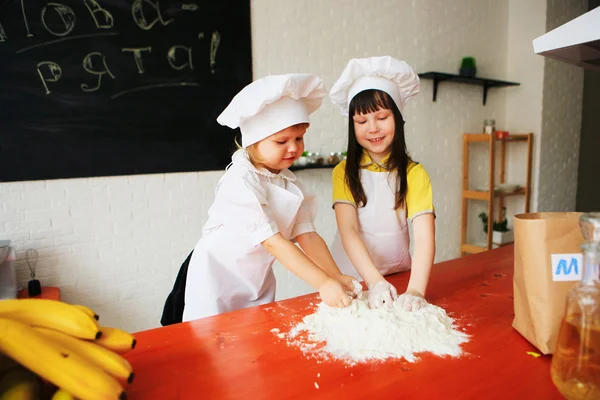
(236, 356)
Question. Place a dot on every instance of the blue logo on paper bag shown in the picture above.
(565, 267)
(562, 266)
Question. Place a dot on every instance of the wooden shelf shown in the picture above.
(468, 248)
(471, 249)
(485, 83)
(491, 196)
(485, 195)
(476, 195)
(518, 192)
(485, 137)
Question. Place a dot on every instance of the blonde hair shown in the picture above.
(255, 159)
(252, 153)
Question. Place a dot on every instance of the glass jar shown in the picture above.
(310, 158)
(590, 227)
(576, 361)
(333, 159)
(489, 126)
(318, 159)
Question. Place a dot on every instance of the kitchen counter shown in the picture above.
(236, 356)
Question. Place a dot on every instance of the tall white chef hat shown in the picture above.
(386, 73)
(271, 104)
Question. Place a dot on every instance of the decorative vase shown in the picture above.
(502, 237)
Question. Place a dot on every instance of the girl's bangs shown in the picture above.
(369, 101)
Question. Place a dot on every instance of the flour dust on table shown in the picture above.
(358, 334)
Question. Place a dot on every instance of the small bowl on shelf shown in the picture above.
(507, 188)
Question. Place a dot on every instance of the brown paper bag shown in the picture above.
(539, 301)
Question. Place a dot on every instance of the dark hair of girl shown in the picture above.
(365, 102)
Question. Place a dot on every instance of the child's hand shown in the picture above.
(381, 293)
(412, 301)
(333, 294)
(351, 285)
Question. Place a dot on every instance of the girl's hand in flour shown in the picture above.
(351, 285)
(333, 294)
(412, 301)
(381, 293)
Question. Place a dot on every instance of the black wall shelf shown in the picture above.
(311, 166)
(438, 77)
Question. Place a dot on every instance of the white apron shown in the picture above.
(227, 271)
(383, 230)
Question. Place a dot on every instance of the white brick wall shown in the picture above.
(116, 243)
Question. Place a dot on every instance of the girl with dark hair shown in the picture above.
(379, 188)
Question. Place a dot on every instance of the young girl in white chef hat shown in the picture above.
(260, 210)
(380, 188)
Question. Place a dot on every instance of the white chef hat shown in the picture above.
(387, 74)
(273, 103)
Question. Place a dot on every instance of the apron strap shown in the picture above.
(175, 303)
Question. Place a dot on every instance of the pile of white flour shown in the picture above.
(358, 334)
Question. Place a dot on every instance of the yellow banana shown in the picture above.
(56, 363)
(89, 312)
(51, 314)
(20, 384)
(61, 394)
(99, 356)
(116, 339)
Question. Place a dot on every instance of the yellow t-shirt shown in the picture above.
(419, 195)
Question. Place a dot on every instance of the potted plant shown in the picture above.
(468, 67)
(501, 234)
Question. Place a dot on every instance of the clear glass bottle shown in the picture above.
(590, 227)
(576, 362)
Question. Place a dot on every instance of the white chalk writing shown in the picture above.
(65, 39)
(65, 13)
(214, 45)
(171, 56)
(137, 10)
(94, 8)
(137, 56)
(3, 36)
(54, 71)
(29, 34)
(89, 67)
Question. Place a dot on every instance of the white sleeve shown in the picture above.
(248, 207)
(305, 220)
(259, 219)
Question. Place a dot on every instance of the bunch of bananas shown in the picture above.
(63, 345)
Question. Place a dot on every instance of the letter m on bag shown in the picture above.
(566, 267)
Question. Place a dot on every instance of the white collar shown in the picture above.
(241, 158)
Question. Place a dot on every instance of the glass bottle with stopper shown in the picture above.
(576, 362)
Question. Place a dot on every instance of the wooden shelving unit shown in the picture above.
(491, 195)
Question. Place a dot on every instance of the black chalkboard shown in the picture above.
(118, 87)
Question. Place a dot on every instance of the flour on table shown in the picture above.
(358, 334)
(277, 333)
